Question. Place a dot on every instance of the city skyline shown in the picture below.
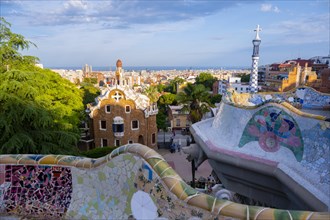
(169, 33)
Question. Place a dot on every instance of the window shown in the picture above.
(241, 88)
(135, 125)
(117, 142)
(107, 108)
(103, 125)
(153, 138)
(130, 142)
(236, 88)
(178, 122)
(127, 109)
(104, 142)
(118, 128)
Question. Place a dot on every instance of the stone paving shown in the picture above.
(178, 160)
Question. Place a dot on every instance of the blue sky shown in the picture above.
(169, 32)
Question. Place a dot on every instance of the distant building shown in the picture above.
(179, 119)
(121, 115)
(87, 69)
(290, 74)
(234, 83)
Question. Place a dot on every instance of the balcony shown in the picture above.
(118, 134)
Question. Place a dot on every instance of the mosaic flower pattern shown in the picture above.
(272, 128)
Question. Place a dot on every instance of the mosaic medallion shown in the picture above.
(273, 128)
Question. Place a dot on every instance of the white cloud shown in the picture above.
(266, 7)
(276, 9)
(269, 8)
(301, 30)
(78, 4)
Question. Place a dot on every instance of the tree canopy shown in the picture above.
(167, 99)
(40, 111)
(196, 100)
(152, 93)
(244, 77)
(174, 84)
(10, 44)
(206, 79)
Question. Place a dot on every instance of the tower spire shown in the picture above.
(257, 30)
(255, 59)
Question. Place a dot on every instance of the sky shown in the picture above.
(214, 33)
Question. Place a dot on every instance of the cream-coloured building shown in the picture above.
(179, 119)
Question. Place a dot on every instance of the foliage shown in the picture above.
(92, 81)
(76, 81)
(196, 100)
(244, 77)
(206, 79)
(174, 84)
(152, 93)
(89, 93)
(10, 43)
(167, 99)
(161, 119)
(161, 87)
(40, 111)
(216, 98)
(98, 152)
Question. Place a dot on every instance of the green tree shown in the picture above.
(152, 93)
(174, 84)
(40, 111)
(92, 81)
(161, 119)
(10, 44)
(89, 93)
(206, 79)
(244, 77)
(216, 98)
(167, 99)
(196, 100)
(161, 87)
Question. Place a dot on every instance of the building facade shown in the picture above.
(289, 75)
(179, 119)
(121, 116)
(232, 83)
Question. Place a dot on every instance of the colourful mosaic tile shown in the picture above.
(106, 188)
(272, 127)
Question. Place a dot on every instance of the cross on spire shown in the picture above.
(117, 96)
(257, 30)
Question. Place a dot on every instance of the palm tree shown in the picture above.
(152, 93)
(196, 100)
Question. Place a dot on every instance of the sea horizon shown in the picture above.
(152, 68)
